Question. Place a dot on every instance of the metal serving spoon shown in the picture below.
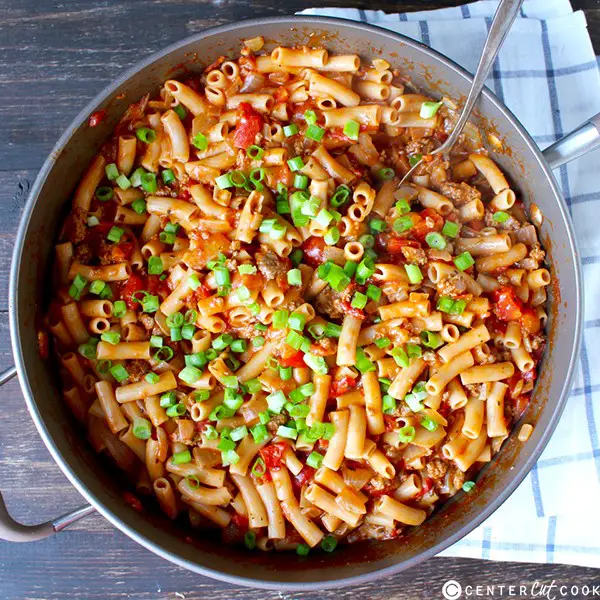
(503, 19)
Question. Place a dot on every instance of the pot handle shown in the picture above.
(13, 531)
(577, 143)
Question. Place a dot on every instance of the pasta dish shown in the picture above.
(266, 332)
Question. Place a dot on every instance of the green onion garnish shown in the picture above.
(290, 130)
(114, 235)
(467, 486)
(351, 130)
(294, 277)
(435, 240)
(142, 429)
(414, 159)
(144, 134)
(450, 229)
(414, 273)
(429, 109)
(386, 173)
(329, 543)
(406, 434)
(403, 223)
(464, 261)
(199, 141)
(104, 193)
(182, 457)
(123, 182)
(499, 217)
(119, 372)
(314, 132)
(255, 152)
(296, 163)
(224, 181)
(310, 116)
(430, 339)
(112, 172)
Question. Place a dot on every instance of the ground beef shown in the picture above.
(458, 478)
(147, 321)
(414, 255)
(324, 347)
(83, 254)
(394, 293)
(537, 253)
(271, 265)
(453, 285)
(421, 146)
(525, 234)
(275, 422)
(328, 302)
(368, 531)
(137, 370)
(77, 225)
(394, 454)
(436, 468)
(460, 193)
(511, 225)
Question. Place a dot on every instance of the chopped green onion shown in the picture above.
(403, 206)
(386, 173)
(351, 130)
(150, 303)
(144, 134)
(259, 433)
(190, 374)
(362, 363)
(224, 181)
(388, 404)
(316, 363)
(332, 236)
(430, 339)
(104, 194)
(302, 549)
(93, 221)
(149, 184)
(359, 300)
(429, 109)
(199, 141)
(119, 372)
(296, 163)
(254, 152)
(310, 116)
(287, 432)
(314, 460)
(403, 223)
(142, 429)
(258, 342)
(280, 319)
(413, 350)
(112, 172)
(383, 342)
(136, 177)
(378, 225)
(329, 543)
(314, 132)
(296, 321)
(467, 486)
(414, 273)
(373, 292)
(285, 373)
(290, 130)
(406, 434)
(276, 401)
(435, 240)
(164, 354)
(201, 395)
(243, 293)
(429, 424)
(97, 286)
(414, 159)
(115, 233)
(139, 206)
(175, 320)
(324, 217)
(501, 216)
(155, 265)
(458, 307)
(112, 337)
(152, 378)
(400, 357)
(300, 181)
(123, 182)
(333, 330)
(119, 309)
(367, 240)
(464, 261)
(182, 457)
(445, 304)
(168, 176)
(450, 229)
(340, 196)
(239, 433)
(222, 276)
(239, 346)
(294, 277)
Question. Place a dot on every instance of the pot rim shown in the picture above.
(66, 468)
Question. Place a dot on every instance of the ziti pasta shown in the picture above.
(270, 336)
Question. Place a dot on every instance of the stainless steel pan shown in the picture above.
(532, 175)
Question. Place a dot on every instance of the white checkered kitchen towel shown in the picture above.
(547, 75)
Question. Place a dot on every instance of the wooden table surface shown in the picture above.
(54, 56)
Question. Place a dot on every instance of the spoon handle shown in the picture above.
(501, 24)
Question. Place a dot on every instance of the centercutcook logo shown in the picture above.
(451, 589)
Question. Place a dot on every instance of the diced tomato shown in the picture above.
(346, 304)
(507, 306)
(314, 251)
(393, 243)
(157, 286)
(425, 222)
(530, 321)
(42, 341)
(250, 123)
(495, 325)
(426, 486)
(281, 94)
(134, 284)
(342, 386)
(240, 521)
(520, 405)
(201, 292)
(390, 423)
(273, 454)
(303, 478)
(295, 360)
(337, 134)
(133, 501)
(96, 118)
(122, 252)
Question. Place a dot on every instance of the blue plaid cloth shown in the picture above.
(548, 76)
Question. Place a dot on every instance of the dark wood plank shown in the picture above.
(54, 57)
